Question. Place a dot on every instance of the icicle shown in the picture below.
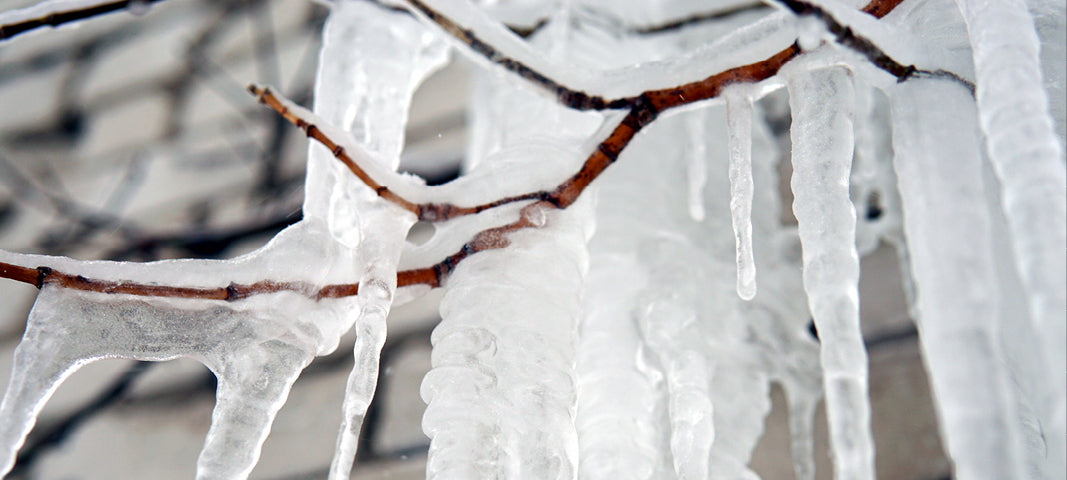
(822, 102)
(368, 96)
(802, 403)
(501, 395)
(364, 94)
(696, 167)
(938, 163)
(1028, 158)
(688, 380)
(617, 423)
(739, 128)
(380, 255)
(255, 349)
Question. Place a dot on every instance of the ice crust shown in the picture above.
(629, 353)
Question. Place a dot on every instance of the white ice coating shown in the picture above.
(1027, 156)
(739, 127)
(939, 164)
(821, 102)
(745, 44)
(257, 346)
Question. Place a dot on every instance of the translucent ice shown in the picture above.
(501, 395)
(739, 126)
(697, 172)
(256, 346)
(938, 162)
(367, 96)
(821, 101)
(1028, 159)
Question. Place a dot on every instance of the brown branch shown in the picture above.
(56, 19)
(268, 98)
(433, 276)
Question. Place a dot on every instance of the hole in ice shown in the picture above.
(874, 207)
(812, 330)
(420, 233)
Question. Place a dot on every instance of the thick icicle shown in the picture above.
(938, 163)
(501, 395)
(618, 429)
(368, 96)
(739, 128)
(1027, 156)
(688, 378)
(821, 101)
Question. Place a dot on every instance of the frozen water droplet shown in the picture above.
(377, 289)
(810, 32)
(535, 214)
(138, 7)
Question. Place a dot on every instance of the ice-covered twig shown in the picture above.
(59, 12)
(845, 36)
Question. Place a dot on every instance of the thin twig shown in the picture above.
(56, 19)
(864, 46)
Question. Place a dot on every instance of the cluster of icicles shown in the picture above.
(644, 350)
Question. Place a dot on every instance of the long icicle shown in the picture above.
(822, 102)
(367, 95)
(937, 157)
(1028, 159)
(739, 128)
